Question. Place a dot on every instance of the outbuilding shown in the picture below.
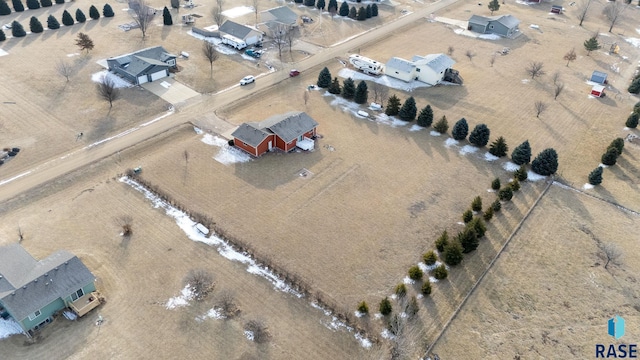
(597, 91)
(598, 77)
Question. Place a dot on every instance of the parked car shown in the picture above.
(247, 80)
(253, 53)
(294, 72)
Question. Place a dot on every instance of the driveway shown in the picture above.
(170, 90)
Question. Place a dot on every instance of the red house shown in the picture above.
(284, 132)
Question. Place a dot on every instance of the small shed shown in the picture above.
(556, 9)
(597, 91)
(599, 77)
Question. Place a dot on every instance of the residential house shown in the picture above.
(431, 69)
(279, 19)
(284, 132)
(505, 25)
(32, 291)
(143, 66)
(247, 34)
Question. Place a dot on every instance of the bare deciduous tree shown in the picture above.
(492, 60)
(290, 37)
(259, 330)
(583, 8)
(107, 90)
(280, 37)
(226, 302)
(175, 4)
(555, 77)
(219, 3)
(217, 15)
(64, 69)
(142, 15)
(613, 10)
(557, 89)
(450, 50)
(305, 97)
(210, 52)
(540, 107)
(570, 56)
(612, 254)
(125, 222)
(255, 9)
(470, 54)
(200, 282)
(535, 69)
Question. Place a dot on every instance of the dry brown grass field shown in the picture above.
(352, 229)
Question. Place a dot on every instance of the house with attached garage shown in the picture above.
(247, 34)
(32, 291)
(279, 19)
(284, 132)
(431, 69)
(143, 66)
(505, 25)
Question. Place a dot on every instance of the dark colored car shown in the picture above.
(294, 72)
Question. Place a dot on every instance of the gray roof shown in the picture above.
(290, 125)
(250, 134)
(400, 64)
(140, 62)
(284, 15)
(477, 19)
(27, 285)
(599, 77)
(236, 30)
(507, 20)
(438, 62)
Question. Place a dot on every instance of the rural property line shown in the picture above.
(569, 187)
(495, 258)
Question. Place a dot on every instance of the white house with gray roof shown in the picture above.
(505, 25)
(248, 34)
(143, 66)
(32, 291)
(279, 19)
(431, 69)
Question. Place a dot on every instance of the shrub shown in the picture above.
(499, 147)
(348, 88)
(408, 110)
(480, 135)
(401, 290)
(505, 194)
(478, 226)
(363, 307)
(634, 88)
(460, 130)
(107, 11)
(546, 163)
(393, 106)
(94, 13)
(67, 19)
(415, 273)
(610, 157)
(362, 14)
(442, 241)
(521, 173)
(320, 4)
(618, 144)
(17, 30)
(200, 282)
(310, 2)
(426, 288)
(35, 26)
(361, 94)
(476, 204)
(385, 307)
(467, 216)
(468, 238)
(374, 10)
(440, 272)
(515, 185)
(52, 23)
(495, 184)
(632, 120)
(488, 214)
(369, 11)
(430, 257)
(324, 78)
(80, 16)
(442, 125)
(259, 330)
(425, 119)
(522, 153)
(496, 206)
(452, 254)
(335, 88)
(595, 177)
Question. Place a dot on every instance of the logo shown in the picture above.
(616, 327)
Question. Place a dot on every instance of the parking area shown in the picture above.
(170, 90)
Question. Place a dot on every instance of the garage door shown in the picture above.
(158, 75)
(251, 40)
(143, 79)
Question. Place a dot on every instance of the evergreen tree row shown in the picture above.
(18, 6)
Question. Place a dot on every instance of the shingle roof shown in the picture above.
(438, 62)
(250, 134)
(290, 125)
(599, 77)
(477, 19)
(141, 61)
(507, 20)
(284, 15)
(28, 285)
(400, 64)
(236, 30)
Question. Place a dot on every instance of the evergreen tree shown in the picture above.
(353, 13)
(324, 78)
(478, 226)
(634, 88)
(3, 36)
(480, 135)
(320, 4)
(348, 88)
(333, 4)
(488, 215)
(94, 13)
(17, 30)
(17, 6)
(442, 125)
(4, 8)
(80, 16)
(107, 11)
(632, 121)
(415, 273)
(521, 173)
(430, 257)
(425, 119)
(84, 42)
(442, 241)
(460, 130)
(166, 17)
(595, 177)
(468, 239)
(467, 216)
(33, 4)
(374, 10)
(344, 9)
(311, 3)
(385, 307)
(441, 272)
(514, 185)
(494, 5)
(499, 147)
(35, 25)
(408, 110)
(362, 14)
(426, 288)
(400, 290)
(505, 194)
(591, 45)
(67, 19)
(618, 144)
(393, 106)
(521, 154)
(363, 307)
(46, 3)
(52, 23)
(496, 205)
(452, 254)
(59, 2)
(297, 1)
(476, 204)
(610, 157)
(361, 94)
(335, 88)
(495, 184)
(546, 163)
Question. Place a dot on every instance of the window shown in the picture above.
(35, 315)
(76, 295)
(490, 26)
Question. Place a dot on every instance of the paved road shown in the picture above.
(15, 184)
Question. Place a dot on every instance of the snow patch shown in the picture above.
(227, 155)
(420, 296)
(525, 81)
(364, 342)
(531, 176)
(415, 127)
(186, 295)
(198, 130)
(426, 268)
(378, 316)
(211, 314)
(117, 81)
(510, 166)
(451, 142)
(588, 186)
(238, 11)
(3, 53)
(359, 314)
(72, 55)
(432, 279)
(489, 37)
(468, 149)
(407, 280)
(633, 41)
(434, 133)
(9, 327)
(249, 335)
(221, 48)
(490, 157)
(387, 334)
(384, 80)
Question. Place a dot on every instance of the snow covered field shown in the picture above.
(237, 11)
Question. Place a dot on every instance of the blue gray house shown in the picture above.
(32, 291)
(143, 66)
(505, 25)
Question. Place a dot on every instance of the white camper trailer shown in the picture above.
(366, 65)
(232, 41)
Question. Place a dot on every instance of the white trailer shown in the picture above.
(366, 65)
(234, 42)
